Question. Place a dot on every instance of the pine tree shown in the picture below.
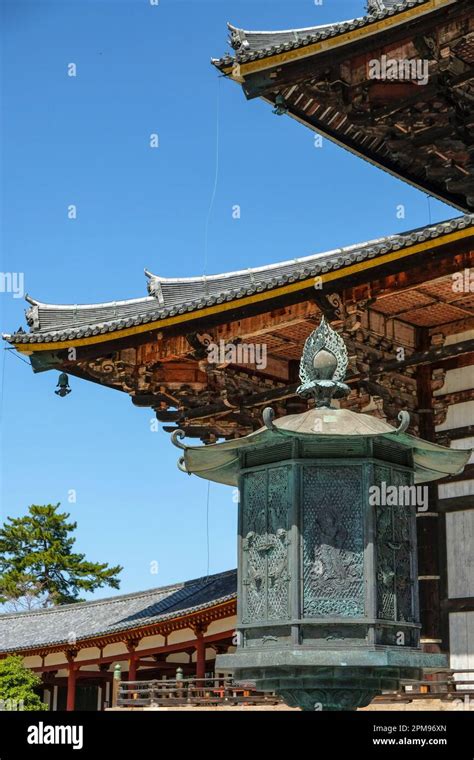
(38, 566)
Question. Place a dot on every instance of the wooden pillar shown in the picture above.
(200, 647)
(104, 669)
(132, 660)
(71, 681)
(428, 523)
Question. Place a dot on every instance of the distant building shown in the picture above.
(75, 647)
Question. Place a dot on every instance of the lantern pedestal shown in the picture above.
(335, 680)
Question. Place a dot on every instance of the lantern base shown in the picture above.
(330, 680)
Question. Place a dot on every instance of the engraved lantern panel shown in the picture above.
(266, 505)
(333, 541)
(395, 548)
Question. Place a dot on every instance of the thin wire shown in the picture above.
(216, 174)
(3, 375)
(3, 385)
(206, 238)
(207, 526)
(17, 356)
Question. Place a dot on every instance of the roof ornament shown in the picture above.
(281, 107)
(323, 366)
(154, 286)
(237, 39)
(404, 418)
(268, 417)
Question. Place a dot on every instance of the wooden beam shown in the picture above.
(464, 604)
(466, 474)
(428, 356)
(455, 397)
(455, 434)
(164, 649)
(456, 504)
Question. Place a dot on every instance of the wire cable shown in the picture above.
(216, 175)
(207, 526)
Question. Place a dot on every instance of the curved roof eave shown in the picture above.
(250, 45)
(182, 299)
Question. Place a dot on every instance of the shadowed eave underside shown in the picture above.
(415, 126)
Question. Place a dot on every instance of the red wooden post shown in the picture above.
(200, 647)
(71, 681)
(132, 662)
(132, 668)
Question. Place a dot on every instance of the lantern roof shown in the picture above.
(220, 462)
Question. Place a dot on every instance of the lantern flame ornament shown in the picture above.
(323, 366)
(327, 597)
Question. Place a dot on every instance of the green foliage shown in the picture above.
(17, 686)
(38, 565)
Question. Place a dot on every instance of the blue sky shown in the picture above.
(84, 140)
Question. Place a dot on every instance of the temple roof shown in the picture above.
(394, 87)
(37, 628)
(173, 296)
(250, 45)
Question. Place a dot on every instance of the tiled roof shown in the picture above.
(57, 625)
(169, 297)
(252, 45)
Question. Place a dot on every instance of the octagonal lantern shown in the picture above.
(327, 600)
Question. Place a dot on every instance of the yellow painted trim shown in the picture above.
(28, 348)
(241, 70)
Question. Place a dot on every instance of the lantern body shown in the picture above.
(327, 585)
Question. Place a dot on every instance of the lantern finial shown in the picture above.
(323, 366)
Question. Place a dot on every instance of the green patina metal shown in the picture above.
(327, 608)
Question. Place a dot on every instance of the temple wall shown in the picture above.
(459, 520)
(115, 649)
(460, 540)
(461, 626)
(185, 634)
(148, 642)
(219, 626)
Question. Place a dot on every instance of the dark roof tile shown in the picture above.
(85, 620)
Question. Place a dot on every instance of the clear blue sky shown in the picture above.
(143, 69)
